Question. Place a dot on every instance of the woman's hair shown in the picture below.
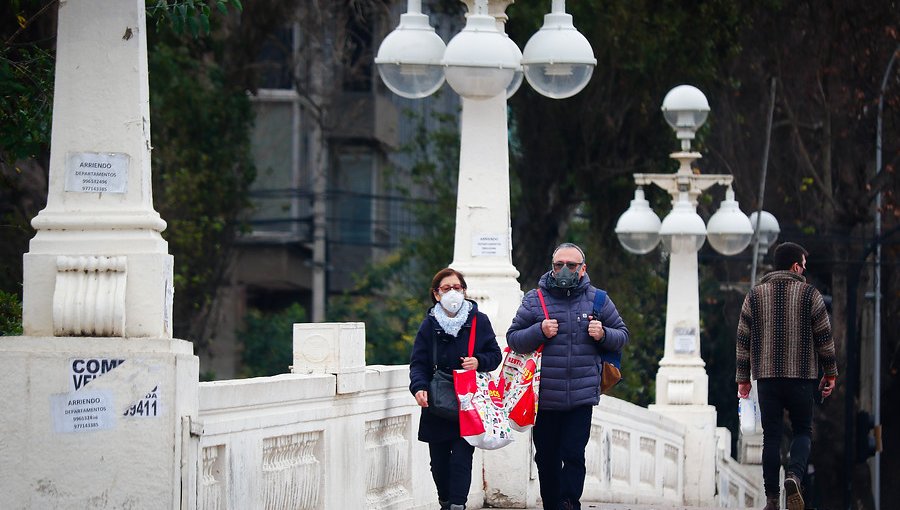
(443, 273)
(786, 254)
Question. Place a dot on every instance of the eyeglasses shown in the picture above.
(571, 265)
(448, 288)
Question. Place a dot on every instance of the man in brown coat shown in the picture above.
(783, 336)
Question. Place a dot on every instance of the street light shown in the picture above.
(484, 66)
(481, 61)
(682, 379)
(765, 232)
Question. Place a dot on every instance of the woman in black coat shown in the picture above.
(445, 331)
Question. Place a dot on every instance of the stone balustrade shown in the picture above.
(309, 441)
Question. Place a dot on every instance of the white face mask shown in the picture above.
(452, 300)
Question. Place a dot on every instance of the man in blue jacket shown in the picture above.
(573, 340)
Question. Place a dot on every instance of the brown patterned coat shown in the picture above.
(784, 330)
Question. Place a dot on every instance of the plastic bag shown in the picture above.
(483, 421)
(749, 416)
(520, 381)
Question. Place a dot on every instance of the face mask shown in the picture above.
(564, 279)
(452, 301)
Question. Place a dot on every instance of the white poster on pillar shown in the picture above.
(97, 172)
(489, 245)
(82, 411)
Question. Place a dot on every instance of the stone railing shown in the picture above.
(343, 435)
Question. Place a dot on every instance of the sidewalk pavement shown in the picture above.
(628, 506)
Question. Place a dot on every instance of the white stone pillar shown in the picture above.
(682, 383)
(101, 402)
(482, 251)
(98, 265)
(98, 422)
(682, 378)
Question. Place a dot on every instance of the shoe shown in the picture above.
(771, 503)
(792, 492)
(445, 505)
(457, 507)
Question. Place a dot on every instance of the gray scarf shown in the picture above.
(452, 325)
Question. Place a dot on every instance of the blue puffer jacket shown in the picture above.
(570, 366)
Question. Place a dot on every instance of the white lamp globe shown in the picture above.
(479, 62)
(558, 60)
(685, 108)
(409, 58)
(729, 230)
(520, 75)
(768, 229)
(682, 230)
(638, 227)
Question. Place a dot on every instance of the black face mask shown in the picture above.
(564, 279)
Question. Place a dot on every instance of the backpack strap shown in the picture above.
(599, 301)
(614, 357)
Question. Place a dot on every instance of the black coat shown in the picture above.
(449, 351)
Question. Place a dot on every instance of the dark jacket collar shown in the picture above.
(782, 275)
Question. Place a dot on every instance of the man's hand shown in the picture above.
(595, 329)
(549, 327)
(826, 385)
(744, 389)
(422, 398)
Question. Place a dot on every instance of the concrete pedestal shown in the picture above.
(97, 422)
(699, 450)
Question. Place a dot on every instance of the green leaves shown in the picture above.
(191, 14)
(268, 341)
(10, 314)
(26, 101)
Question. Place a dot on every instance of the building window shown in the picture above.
(352, 188)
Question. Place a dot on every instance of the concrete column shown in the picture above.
(682, 378)
(98, 265)
(102, 403)
(98, 422)
(483, 253)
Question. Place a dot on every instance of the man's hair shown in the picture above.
(787, 254)
(443, 273)
(569, 245)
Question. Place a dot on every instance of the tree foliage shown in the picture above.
(202, 168)
(575, 157)
(268, 340)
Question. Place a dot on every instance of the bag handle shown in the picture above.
(472, 336)
(546, 314)
(471, 344)
(543, 304)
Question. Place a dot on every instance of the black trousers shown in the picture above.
(560, 438)
(451, 468)
(797, 397)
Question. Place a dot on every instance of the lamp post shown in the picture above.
(484, 66)
(682, 383)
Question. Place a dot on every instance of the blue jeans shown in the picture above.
(451, 468)
(797, 397)
(560, 438)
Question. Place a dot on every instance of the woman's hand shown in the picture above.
(470, 363)
(422, 398)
